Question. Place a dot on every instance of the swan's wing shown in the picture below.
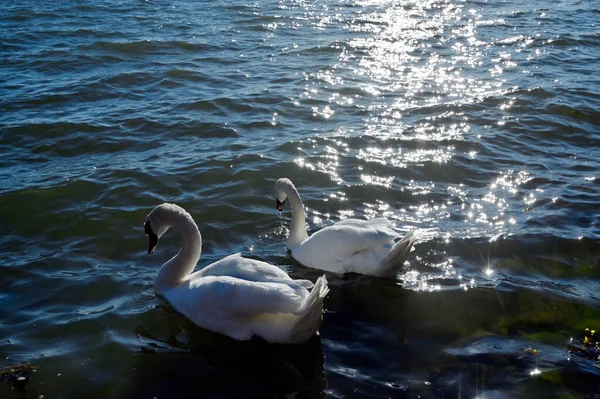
(305, 283)
(341, 241)
(376, 223)
(231, 297)
(236, 265)
(350, 221)
(343, 248)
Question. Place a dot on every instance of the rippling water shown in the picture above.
(476, 121)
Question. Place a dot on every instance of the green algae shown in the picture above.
(545, 319)
(18, 374)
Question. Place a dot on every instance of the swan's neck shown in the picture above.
(174, 271)
(298, 225)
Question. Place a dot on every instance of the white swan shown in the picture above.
(349, 246)
(235, 296)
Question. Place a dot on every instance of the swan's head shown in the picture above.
(158, 222)
(281, 187)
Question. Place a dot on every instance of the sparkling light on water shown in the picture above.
(415, 57)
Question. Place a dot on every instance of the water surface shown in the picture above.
(476, 121)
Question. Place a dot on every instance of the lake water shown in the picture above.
(476, 121)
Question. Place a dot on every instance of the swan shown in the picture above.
(235, 296)
(349, 246)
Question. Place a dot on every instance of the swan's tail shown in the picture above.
(394, 260)
(311, 314)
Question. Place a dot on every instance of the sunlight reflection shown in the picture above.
(338, 196)
(413, 69)
(535, 371)
(325, 161)
(493, 209)
(345, 214)
(397, 158)
(377, 180)
(468, 285)
(419, 281)
(422, 52)
(420, 189)
(325, 112)
(435, 132)
(378, 209)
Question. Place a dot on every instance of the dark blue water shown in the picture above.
(476, 121)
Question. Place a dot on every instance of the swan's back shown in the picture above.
(243, 297)
(235, 265)
(348, 246)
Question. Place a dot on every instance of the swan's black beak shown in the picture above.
(152, 238)
(280, 205)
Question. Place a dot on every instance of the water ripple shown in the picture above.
(475, 122)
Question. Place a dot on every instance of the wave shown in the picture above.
(151, 47)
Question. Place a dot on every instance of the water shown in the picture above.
(477, 122)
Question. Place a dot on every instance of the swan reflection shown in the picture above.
(188, 361)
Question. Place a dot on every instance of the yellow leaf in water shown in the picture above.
(532, 351)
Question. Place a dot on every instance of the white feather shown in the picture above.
(235, 296)
(367, 247)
